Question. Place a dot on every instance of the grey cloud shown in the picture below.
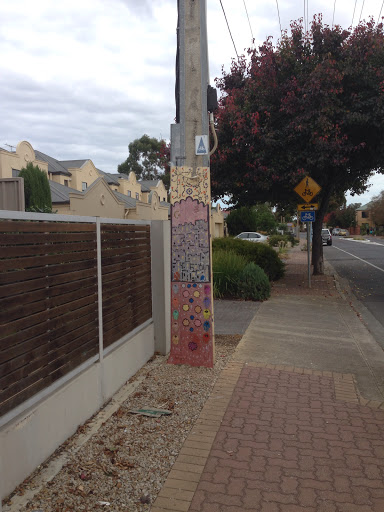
(143, 8)
(79, 120)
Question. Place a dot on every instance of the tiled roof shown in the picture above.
(146, 185)
(77, 164)
(110, 178)
(54, 166)
(129, 202)
(364, 207)
(60, 193)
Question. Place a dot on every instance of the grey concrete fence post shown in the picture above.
(161, 278)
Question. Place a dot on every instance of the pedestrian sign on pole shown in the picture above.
(307, 189)
(307, 216)
(201, 144)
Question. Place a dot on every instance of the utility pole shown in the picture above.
(192, 334)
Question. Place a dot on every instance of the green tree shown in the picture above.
(241, 219)
(255, 218)
(344, 217)
(148, 159)
(377, 209)
(265, 219)
(36, 189)
(313, 105)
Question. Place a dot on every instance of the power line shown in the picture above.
(333, 17)
(305, 22)
(361, 12)
(354, 9)
(278, 13)
(248, 21)
(381, 8)
(230, 33)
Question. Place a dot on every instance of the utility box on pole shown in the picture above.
(192, 334)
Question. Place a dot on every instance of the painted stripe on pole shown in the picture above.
(367, 262)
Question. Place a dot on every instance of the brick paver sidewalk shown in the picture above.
(280, 439)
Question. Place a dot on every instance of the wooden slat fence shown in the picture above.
(49, 298)
(126, 271)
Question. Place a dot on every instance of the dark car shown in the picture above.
(326, 236)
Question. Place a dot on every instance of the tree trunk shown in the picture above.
(317, 244)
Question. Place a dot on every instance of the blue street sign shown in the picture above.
(307, 216)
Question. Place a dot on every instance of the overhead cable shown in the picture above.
(230, 33)
(248, 21)
(305, 21)
(361, 12)
(278, 13)
(381, 8)
(353, 16)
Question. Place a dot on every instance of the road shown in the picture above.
(361, 263)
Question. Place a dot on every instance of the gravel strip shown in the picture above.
(123, 466)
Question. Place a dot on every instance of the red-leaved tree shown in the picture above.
(311, 105)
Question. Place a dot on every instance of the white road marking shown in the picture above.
(363, 241)
(367, 262)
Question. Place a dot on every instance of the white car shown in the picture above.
(336, 231)
(252, 236)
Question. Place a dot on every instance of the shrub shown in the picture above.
(258, 253)
(294, 241)
(227, 269)
(242, 219)
(275, 240)
(256, 218)
(254, 283)
(36, 189)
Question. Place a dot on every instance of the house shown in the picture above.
(80, 188)
(364, 218)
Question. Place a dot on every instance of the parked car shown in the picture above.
(336, 231)
(343, 232)
(252, 236)
(326, 237)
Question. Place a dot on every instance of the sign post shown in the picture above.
(307, 189)
(308, 218)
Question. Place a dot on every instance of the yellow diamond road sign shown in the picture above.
(307, 189)
(307, 207)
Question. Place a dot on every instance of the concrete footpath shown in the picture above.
(296, 420)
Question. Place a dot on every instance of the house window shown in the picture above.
(84, 186)
(137, 195)
(66, 183)
(129, 193)
(364, 215)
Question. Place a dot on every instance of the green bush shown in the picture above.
(227, 269)
(256, 218)
(294, 241)
(258, 253)
(254, 283)
(276, 240)
(36, 189)
(242, 219)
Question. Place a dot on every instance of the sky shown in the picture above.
(83, 79)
